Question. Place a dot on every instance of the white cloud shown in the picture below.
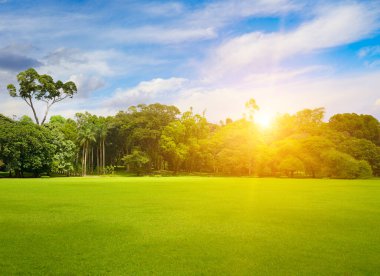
(12, 107)
(201, 24)
(65, 61)
(146, 91)
(160, 35)
(354, 93)
(180, 23)
(283, 75)
(28, 27)
(86, 85)
(259, 51)
(219, 13)
(161, 9)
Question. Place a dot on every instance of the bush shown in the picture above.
(109, 170)
(342, 165)
(365, 170)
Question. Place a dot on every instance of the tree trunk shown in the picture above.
(82, 163)
(46, 113)
(97, 159)
(34, 111)
(76, 160)
(104, 154)
(84, 159)
(100, 157)
(92, 159)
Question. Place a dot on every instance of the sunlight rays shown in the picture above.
(264, 119)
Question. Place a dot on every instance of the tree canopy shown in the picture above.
(33, 86)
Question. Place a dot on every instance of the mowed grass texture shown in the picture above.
(189, 226)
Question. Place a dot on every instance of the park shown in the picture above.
(153, 190)
(202, 137)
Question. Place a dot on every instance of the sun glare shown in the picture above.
(264, 119)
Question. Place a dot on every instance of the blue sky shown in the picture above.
(211, 55)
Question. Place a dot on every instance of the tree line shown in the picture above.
(160, 139)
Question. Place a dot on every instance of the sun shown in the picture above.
(264, 119)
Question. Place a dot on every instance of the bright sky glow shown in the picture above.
(209, 55)
(264, 119)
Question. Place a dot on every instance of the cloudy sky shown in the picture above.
(209, 55)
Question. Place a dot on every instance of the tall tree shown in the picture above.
(101, 131)
(173, 144)
(33, 86)
(251, 107)
(66, 149)
(86, 136)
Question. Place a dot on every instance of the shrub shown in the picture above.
(109, 169)
(342, 165)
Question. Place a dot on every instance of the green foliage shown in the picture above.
(310, 152)
(237, 145)
(362, 149)
(342, 165)
(140, 126)
(26, 147)
(33, 86)
(304, 122)
(57, 120)
(265, 160)
(358, 126)
(26, 119)
(364, 169)
(86, 137)
(309, 120)
(109, 170)
(173, 145)
(64, 157)
(290, 164)
(137, 161)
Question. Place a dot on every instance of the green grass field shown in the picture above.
(189, 226)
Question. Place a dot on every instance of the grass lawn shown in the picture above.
(189, 226)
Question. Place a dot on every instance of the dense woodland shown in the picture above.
(158, 139)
